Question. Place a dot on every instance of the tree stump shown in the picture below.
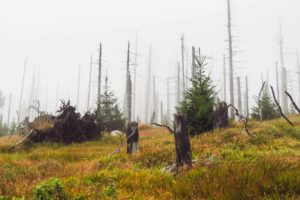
(132, 136)
(182, 142)
(220, 115)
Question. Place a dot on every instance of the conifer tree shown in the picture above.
(198, 101)
(268, 108)
(109, 115)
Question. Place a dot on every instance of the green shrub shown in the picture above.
(51, 189)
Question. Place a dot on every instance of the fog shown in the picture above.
(59, 36)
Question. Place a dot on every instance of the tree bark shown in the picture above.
(182, 142)
(220, 115)
(132, 136)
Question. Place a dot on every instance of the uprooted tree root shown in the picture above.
(67, 127)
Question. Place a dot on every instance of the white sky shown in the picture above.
(60, 35)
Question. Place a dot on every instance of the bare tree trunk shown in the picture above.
(193, 62)
(298, 69)
(99, 77)
(78, 87)
(9, 111)
(182, 142)
(178, 83)
(168, 101)
(230, 61)
(246, 98)
(128, 104)
(148, 87)
(224, 78)
(132, 136)
(283, 89)
(277, 83)
(89, 88)
(22, 90)
(182, 64)
(220, 115)
(239, 94)
(134, 79)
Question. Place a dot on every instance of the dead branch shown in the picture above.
(165, 126)
(293, 102)
(279, 107)
(23, 139)
(242, 118)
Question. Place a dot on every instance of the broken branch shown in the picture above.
(279, 107)
(293, 102)
(165, 126)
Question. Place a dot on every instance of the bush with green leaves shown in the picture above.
(198, 101)
(267, 106)
(51, 189)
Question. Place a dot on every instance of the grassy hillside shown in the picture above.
(227, 165)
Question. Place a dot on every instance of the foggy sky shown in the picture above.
(60, 35)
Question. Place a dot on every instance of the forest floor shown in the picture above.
(228, 164)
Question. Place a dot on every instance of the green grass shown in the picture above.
(227, 165)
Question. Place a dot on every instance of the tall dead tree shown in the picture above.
(148, 86)
(168, 101)
(182, 142)
(246, 98)
(99, 77)
(284, 88)
(89, 85)
(224, 78)
(178, 83)
(128, 96)
(230, 59)
(283, 74)
(161, 112)
(78, 87)
(154, 100)
(134, 79)
(277, 82)
(298, 75)
(239, 94)
(193, 62)
(182, 63)
(9, 111)
(22, 90)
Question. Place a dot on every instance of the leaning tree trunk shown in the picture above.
(220, 115)
(132, 136)
(182, 142)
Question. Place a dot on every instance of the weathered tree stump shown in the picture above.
(132, 136)
(220, 115)
(182, 142)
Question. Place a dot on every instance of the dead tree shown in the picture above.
(239, 93)
(178, 83)
(22, 89)
(128, 92)
(99, 76)
(182, 142)
(279, 108)
(182, 63)
(243, 119)
(89, 87)
(293, 102)
(231, 87)
(148, 86)
(132, 137)
(220, 115)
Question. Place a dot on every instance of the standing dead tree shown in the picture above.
(293, 102)
(258, 100)
(279, 107)
(132, 136)
(220, 115)
(182, 141)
